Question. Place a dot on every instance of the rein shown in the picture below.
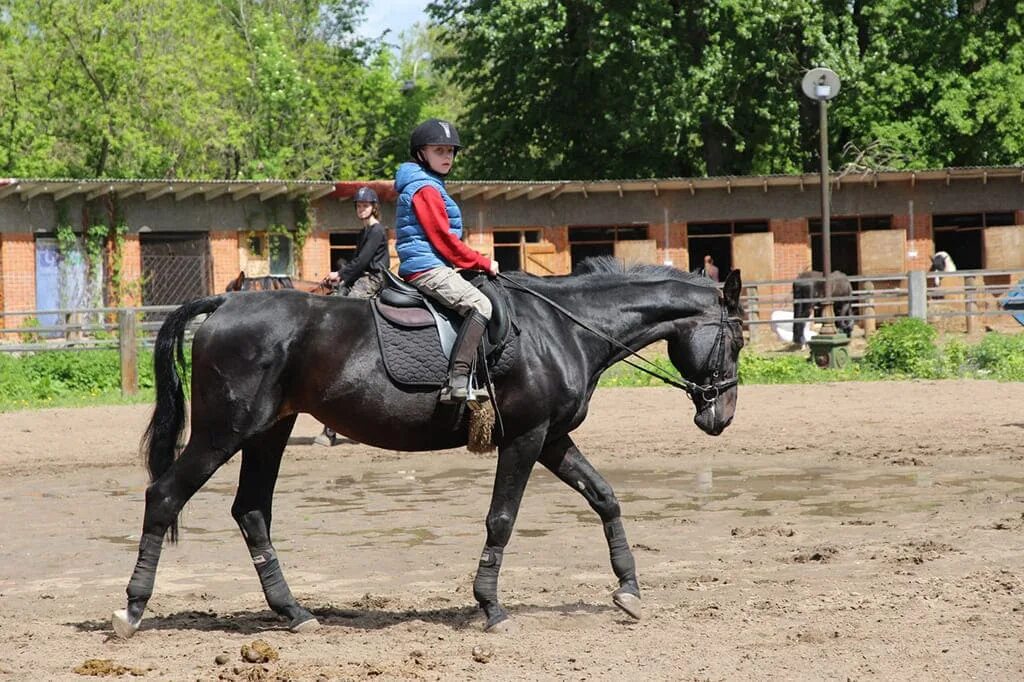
(708, 392)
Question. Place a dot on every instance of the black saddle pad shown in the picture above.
(413, 356)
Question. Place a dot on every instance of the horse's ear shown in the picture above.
(731, 290)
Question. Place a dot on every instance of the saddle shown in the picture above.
(416, 334)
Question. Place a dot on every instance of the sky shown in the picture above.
(396, 15)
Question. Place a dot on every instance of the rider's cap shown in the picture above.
(433, 131)
(366, 194)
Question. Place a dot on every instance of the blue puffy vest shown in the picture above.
(414, 249)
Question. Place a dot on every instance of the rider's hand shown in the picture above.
(333, 277)
(493, 270)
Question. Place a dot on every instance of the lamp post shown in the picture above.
(409, 84)
(828, 349)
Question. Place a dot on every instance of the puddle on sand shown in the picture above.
(645, 493)
(405, 537)
(815, 491)
(118, 539)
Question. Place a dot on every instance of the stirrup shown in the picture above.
(455, 391)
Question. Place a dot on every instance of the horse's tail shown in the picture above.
(160, 441)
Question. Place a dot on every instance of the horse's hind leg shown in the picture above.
(165, 498)
(565, 460)
(515, 462)
(261, 461)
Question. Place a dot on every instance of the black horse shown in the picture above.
(810, 285)
(261, 358)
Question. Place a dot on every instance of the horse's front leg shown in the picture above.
(565, 460)
(515, 462)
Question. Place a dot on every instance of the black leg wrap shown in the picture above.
(140, 587)
(485, 586)
(622, 558)
(279, 597)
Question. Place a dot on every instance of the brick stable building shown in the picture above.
(188, 238)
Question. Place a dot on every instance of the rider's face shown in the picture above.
(364, 209)
(439, 157)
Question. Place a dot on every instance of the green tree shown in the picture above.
(115, 87)
(187, 88)
(610, 88)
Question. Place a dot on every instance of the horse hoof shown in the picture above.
(305, 626)
(502, 626)
(123, 627)
(628, 602)
(323, 441)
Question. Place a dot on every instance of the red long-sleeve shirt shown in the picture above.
(431, 213)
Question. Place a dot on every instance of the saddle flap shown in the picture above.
(412, 318)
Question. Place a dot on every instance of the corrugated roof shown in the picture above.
(62, 188)
(487, 190)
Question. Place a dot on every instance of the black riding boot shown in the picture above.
(460, 371)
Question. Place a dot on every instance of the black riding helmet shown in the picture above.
(433, 131)
(367, 195)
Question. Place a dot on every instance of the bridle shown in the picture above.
(708, 392)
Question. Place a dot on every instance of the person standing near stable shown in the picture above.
(363, 275)
(710, 270)
(428, 230)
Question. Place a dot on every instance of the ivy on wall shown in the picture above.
(303, 220)
(101, 242)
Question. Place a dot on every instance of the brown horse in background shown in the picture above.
(274, 282)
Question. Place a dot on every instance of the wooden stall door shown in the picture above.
(632, 251)
(541, 259)
(754, 255)
(1004, 247)
(884, 252)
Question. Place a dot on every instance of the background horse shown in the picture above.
(941, 262)
(811, 285)
(275, 282)
(260, 359)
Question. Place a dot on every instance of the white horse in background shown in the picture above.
(941, 262)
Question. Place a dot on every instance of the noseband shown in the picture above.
(708, 392)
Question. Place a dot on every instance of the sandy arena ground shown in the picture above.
(848, 531)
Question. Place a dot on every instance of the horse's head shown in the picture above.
(706, 349)
(237, 283)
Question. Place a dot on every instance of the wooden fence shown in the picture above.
(970, 295)
(124, 329)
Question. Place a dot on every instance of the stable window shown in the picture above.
(960, 235)
(715, 239)
(282, 256)
(843, 239)
(255, 244)
(343, 248)
(509, 247)
(599, 240)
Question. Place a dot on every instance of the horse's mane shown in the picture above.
(597, 266)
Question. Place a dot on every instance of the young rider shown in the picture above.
(363, 275)
(428, 228)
